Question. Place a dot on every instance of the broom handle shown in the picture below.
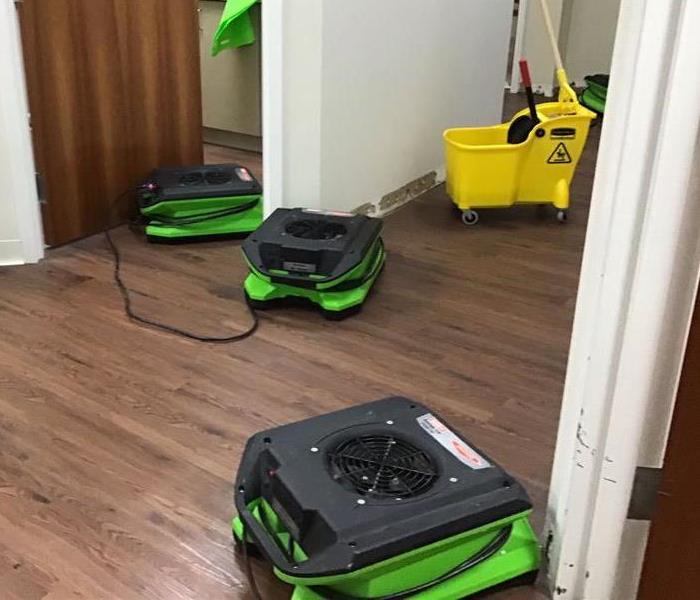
(552, 37)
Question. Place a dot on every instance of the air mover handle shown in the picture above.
(527, 82)
(262, 539)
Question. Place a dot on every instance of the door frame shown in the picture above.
(636, 296)
(637, 238)
(675, 523)
(518, 47)
(18, 171)
(273, 36)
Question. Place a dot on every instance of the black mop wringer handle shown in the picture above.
(527, 82)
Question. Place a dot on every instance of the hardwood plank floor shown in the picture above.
(214, 154)
(118, 444)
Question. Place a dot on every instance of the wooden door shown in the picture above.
(114, 91)
(672, 563)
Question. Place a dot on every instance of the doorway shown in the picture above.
(670, 567)
(231, 93)
(114, 91)
(117, 89)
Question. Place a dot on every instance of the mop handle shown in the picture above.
(552, 37)
(527, 82)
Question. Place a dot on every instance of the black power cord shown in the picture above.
(482, 555)
(133, 316)
(203, 217)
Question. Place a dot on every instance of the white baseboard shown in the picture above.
(404, 194)
(11, 253)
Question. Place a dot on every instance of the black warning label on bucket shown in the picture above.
(560, 156)
(452, 443)
(563, 133)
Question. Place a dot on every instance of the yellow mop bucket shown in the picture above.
(529, 160)
(485, 171)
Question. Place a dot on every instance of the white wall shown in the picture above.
(20, 227)
(536, 46)
(370, 86)
(301, 103)
(231, 85)
(587, 37)
(586, 34)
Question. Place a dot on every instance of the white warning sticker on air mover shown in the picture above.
(452, 443)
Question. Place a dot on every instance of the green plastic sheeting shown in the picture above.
(235, 29)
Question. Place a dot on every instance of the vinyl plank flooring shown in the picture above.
(118, 444)
(214, 154)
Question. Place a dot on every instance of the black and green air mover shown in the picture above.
(596, 92)
(381, 501)
(183, 204)
(330, 259)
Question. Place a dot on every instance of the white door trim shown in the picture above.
(273, 32)
(638, 255)
(17, 167)
(518, 47)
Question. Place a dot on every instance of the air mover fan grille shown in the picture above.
(217, 177)
(191, 179)
(315, 229)
(382, 466)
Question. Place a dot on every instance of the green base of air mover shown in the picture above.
(516, 561)
(590, 100)
(596, 92)
(232, 225)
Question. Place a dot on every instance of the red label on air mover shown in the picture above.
(449, 440)
(243, 174)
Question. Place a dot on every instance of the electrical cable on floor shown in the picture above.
(202, 218)
(133, 316)
(482, 555)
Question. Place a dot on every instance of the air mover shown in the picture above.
(330, 259)
(596, 92)
(201, 202)
(381, 501)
